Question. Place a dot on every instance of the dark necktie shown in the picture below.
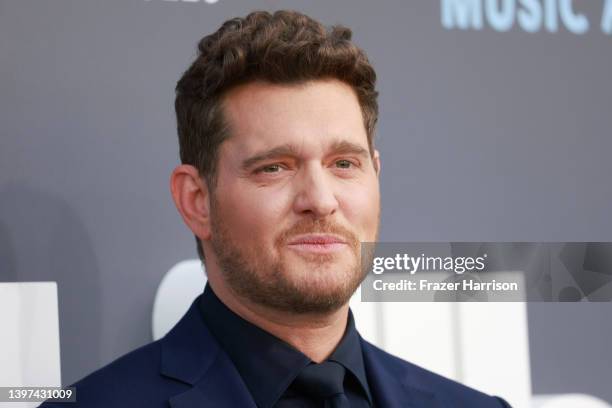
(324, 382)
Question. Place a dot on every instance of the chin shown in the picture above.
(326, 279)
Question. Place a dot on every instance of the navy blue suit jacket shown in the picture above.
(188, 369)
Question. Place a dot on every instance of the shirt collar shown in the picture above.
(267, 364)
(349, 354)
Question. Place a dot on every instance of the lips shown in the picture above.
(317, 243)
(316, 239)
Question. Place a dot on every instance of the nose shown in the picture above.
(315, 194)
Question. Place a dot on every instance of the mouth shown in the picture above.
(317, 243)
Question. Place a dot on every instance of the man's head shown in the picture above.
(276, 121)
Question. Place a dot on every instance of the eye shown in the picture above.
(344, 164)
(270, 168)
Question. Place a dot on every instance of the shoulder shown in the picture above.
(132, 380)
(451, 392)
(153, 373)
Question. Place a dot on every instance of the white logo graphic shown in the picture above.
(530, 15)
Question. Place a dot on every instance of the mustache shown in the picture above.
(320, 226)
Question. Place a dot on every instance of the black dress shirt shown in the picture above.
(268, 365)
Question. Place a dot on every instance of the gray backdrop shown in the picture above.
(484, 135)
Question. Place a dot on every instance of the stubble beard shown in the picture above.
(264, 279)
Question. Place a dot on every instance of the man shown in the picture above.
(279, 184)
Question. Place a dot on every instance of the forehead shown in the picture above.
(311, 116)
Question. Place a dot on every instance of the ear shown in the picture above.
(192, 199)
(376, 162)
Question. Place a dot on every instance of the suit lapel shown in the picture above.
(191, 355)
(221, 387)
(390, 388)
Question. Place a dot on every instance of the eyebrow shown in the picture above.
(337, 147)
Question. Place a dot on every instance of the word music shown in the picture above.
(529, 15)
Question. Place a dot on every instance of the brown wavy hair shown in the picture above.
(286, 47)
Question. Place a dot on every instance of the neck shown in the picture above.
(315, 335)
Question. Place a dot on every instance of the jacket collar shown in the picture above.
(190, 354)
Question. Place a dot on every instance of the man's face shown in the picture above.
(297, 191)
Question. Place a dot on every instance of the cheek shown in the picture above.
(361, 208)
(252, 212)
